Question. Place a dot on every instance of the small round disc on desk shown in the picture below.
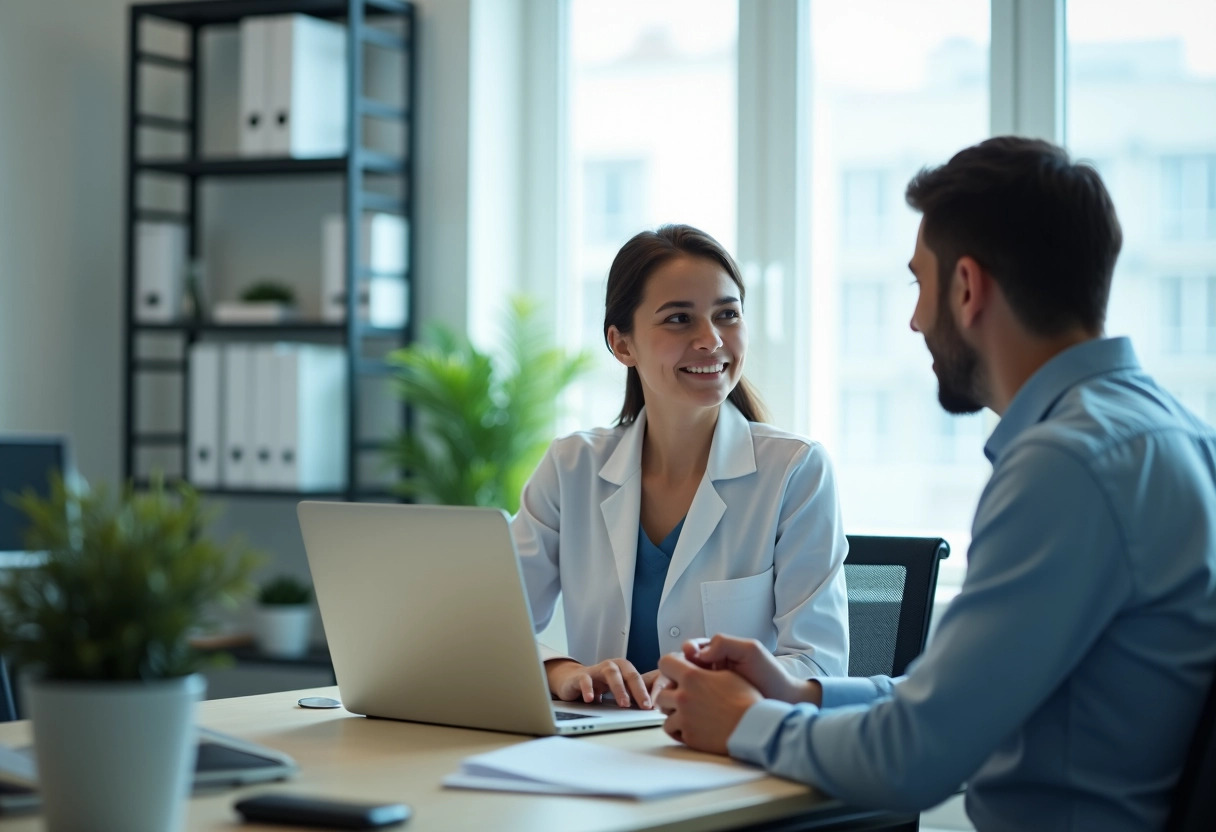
(319, 702)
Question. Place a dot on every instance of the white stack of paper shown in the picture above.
(206, 403)
(557, 765)
(293, 87)
(160, 267)
(383, 241)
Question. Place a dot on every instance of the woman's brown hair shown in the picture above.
(631, 268)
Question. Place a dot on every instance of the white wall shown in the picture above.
(61, 160)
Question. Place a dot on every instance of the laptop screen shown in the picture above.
(25, 462)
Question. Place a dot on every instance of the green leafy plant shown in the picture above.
(127, 577)
(285, 590)
(268, 291)
(485, 423)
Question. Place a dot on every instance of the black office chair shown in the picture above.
(891, 583)
(1193, 808)
(8, 708)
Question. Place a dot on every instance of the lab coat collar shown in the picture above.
(731, 454)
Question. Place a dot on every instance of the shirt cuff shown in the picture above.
(755, 733)
(848, 690)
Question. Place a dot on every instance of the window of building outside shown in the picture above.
(894, 87)
(1141, 100)
(652, 139)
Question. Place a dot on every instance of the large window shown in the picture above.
(893, 87)
(880, 89)
(652, 140)
(1141, 99)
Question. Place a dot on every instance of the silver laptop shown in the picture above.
(427, 620)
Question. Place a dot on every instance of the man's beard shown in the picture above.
(956, 365)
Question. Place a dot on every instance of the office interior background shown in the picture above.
(549, 131)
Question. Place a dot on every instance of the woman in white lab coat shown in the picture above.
(690, 517)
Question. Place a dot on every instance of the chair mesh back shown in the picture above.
(8, 709)
(876, 592)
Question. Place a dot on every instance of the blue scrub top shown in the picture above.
(649, 575)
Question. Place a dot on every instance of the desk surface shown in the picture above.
(355, 758)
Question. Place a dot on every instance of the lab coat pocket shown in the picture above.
(741, 607)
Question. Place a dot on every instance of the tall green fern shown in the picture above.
(482, 423)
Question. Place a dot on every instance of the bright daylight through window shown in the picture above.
(1142, 106)
(651, 116)
(652, 132)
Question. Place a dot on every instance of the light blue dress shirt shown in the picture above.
(1065, 680)
(648, 577)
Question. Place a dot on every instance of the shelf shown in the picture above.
(165, 61)
(360, 494)
(366, 160)
(181, 125)
(231, 11)
(248, 654)
(298, 328)
(159, 439)
(159, 365)
(384, 40)
(371, 180)
(161, 215)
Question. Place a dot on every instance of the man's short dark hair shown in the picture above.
(1042, 225)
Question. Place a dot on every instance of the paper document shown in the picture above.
(557, 765)
(17, 765)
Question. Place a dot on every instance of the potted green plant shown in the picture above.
(99, 629)
(484, 421)
(284, 617)
(265, 301)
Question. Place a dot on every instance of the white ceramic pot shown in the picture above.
(114, 756)
(282, 630)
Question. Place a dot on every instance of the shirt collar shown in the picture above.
(1062, 372)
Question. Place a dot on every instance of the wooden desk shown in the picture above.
(355, 758)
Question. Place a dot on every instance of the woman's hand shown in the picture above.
(655, 682)
(570, 681)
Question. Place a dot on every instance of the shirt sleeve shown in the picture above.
(1048, 570)
(811, 611)
(536, 531)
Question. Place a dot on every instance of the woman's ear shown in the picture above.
(621, 346)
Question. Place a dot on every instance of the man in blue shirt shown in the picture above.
(1065, 680)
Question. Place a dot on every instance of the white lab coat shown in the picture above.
(761, 554)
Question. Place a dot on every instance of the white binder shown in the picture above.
(206, 450)
(312, 417)
(160, 265)
(306, 89)
(237, 469)
(255, 60)
(264, 394)
(383, 240)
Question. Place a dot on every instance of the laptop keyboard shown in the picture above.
(561, 716)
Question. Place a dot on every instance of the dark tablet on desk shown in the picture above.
(222, 760)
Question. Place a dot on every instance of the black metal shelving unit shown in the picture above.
(359, 163)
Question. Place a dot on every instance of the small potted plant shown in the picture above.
(265, 302)
(99, 630)
(284, 617)
(486, 418)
